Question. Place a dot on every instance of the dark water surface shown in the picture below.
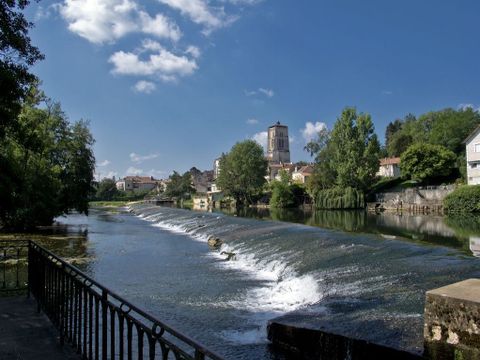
(373, 276)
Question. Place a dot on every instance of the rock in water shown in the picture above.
(214, 242)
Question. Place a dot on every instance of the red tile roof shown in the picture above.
(390, 161)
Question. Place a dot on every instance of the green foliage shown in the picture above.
(348, 157)
(243, 171)
(425, 161)
(47, 166)
(465, 199)
(17, 54)
(107, 190)
(180, 186)
(340, 198)
(282, 195)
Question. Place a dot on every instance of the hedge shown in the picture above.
(465, 199)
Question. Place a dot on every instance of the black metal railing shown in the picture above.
(13, 265)
(98, 323)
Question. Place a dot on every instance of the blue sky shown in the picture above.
(171, 84)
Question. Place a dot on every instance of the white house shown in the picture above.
(389, 167)
(136, 183)
(301, 175)
(472, 144)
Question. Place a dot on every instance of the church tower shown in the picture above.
(278, 145)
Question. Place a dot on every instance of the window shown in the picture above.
(477, 148)
(474, 165)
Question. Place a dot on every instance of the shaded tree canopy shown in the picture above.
(243, 171)
(348, 155)
(424, 161)
(47, 165)
(17, 54)
(180, 186)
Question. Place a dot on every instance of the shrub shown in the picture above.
(465, 199)
(425, 161)
(339, 198)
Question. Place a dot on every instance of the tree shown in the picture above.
(426, 161)
(180, 186)
(47, 166)
(354, 150)
(17, 54)
(282, 194)
(107, 190)
(243, 172)
(391, 130)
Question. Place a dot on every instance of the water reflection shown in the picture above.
(459, 232)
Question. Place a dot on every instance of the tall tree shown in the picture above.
(17, 54)
(426, 161)
(180, 186)
(243, 171)
(354, 150)
(47, 166)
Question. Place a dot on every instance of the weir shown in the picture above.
(362, 292)
(97, 322)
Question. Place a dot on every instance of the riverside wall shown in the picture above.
(419, 199)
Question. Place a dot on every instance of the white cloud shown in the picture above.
(252, 121)
(267, 92)
(200, 13)
(134, 171)
(136, 158)
(111, 174)
(161, 63)
(104, 163)
(387, 92)
(104, 21)
(144, 86)
(311, 130)
(193, 51)
(291, 139)
(261, 138)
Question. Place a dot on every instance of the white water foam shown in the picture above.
(281, 289)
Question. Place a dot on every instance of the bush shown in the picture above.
(282, 195)
(339, 198)
(465, 199)
(425, 161)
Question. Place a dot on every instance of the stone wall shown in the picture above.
(414, 199)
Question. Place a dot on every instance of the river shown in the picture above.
(363, 274)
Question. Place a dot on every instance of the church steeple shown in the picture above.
(278, 145)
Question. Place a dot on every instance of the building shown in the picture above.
(274, 170)
(301, 175)
(472, 144)
(389, 167)
(216, 168)
(137, 183)
(278, 146)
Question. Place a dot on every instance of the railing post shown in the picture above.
(199, 355)
(29, 270)
(62, 304)
(104, 324)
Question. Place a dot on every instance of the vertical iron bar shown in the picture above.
(90, 325)
(79, 341)
(104, 324)
(18, 264)
(85, 317)
(129, 338)
(112, 332)
(140, 342)
(97, 342)
(151, 346)
(4, 269)
(121, 320)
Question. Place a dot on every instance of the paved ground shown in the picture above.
(25, 334)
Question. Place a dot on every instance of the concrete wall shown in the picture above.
(428, 198)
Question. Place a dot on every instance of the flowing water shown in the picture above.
(363, 284)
